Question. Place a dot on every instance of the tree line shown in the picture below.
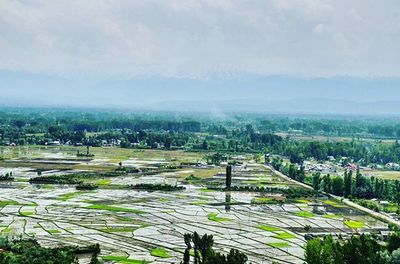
(366, 249)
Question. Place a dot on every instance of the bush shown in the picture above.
(156, 187)
(56, 179)
(19, 251)
(86, 187)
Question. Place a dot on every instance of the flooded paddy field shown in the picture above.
(149, 226)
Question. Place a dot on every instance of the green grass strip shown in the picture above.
(160, 252)
(284, 235)
(103, 182)
(303, 201)
(68, 196)
(53, 231)
(124, 260)
(354, 224)
(305, 214)
(269, 228)
(332, 216)
(26, 213)
(279, 244)
(334, 203)
(214, 217)
(114, 208)
(119, 229)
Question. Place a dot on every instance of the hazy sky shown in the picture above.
(74, 48)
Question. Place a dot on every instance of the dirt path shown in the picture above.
(286, 178)
(372, 213)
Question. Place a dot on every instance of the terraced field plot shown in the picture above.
(141, 225)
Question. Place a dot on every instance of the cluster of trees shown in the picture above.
(7, 177)
(239, 133)
(364, 249)
(152, 139)
(364, 152)
(358, 187)
(292, 170)
(204, 253)
(28, 251)
(350, 186)
(57, 179)
(156, 187)
(33, 121)
(326, 183)
(38, 120)
(248, 140)
(86, 186)
(289, 193)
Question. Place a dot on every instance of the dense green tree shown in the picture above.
(301, 174)
(313, 251)
(348, 180)
(338, 186)
(327, 252)
(205, 254)
(362, 249)
(326, 183)
(316, 180)
(293, 171)
(394, 258)
(393, 242)
(355, 250)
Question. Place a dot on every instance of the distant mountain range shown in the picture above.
(294, 106)
(268, 94)
(314, 106)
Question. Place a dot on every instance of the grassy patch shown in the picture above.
(124, 260)
(26, 213)
(200, 174)
(5, 203)
(389, 175)
(354, 224)
(53, 231)
(68, 196)
(6, 230)
(279, 244)
(114, 209)
(332, 216)
(304, 214)
(22, 180)
(119, 229)
(124, 219)
(334, 203)
(11, 202)
(284, 235)
(160, 252)
(263, 200)
(391, 208)
(205, 190)
(214, 217)
(269, 228)
(302, 201)
(103, 182)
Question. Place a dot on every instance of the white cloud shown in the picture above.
(197, 38)
(320, 28)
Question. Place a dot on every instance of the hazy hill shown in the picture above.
(276, 94)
